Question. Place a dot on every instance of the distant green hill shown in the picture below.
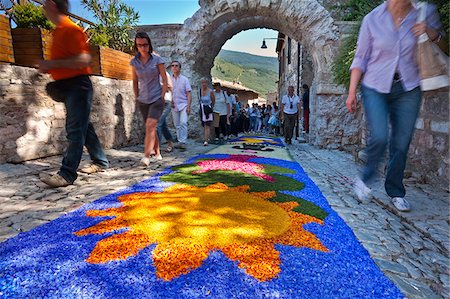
(255, 72)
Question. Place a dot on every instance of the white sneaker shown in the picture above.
(361, 190)
(157, 157)
(401, 204)
(145, 161)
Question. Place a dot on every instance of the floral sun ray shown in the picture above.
(187, 222)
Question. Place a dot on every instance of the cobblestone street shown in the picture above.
(410, 248)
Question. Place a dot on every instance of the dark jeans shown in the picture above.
(400, 108)
(80, 131)
(162, 125)
(306, 120)
(222, 128)
(289, 124)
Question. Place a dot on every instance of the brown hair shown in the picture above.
(142, 34)
(176, 61)
(62, 5)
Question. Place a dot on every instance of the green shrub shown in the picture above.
(344, 59)
(98, 36)
(115, 21)
(30, 16)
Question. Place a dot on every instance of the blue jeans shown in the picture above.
(162, 125)
(80, 131)
(400, 108)
(253, 123)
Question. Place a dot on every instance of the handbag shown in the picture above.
(207, 110)
(432, 61)
(56, 91)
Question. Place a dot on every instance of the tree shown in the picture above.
(115, 21)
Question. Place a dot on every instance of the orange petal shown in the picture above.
(299, 237)
(118, 247)
(173, 259)
(259, 259)
(103, 227)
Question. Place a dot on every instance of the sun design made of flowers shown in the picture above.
(188, 222)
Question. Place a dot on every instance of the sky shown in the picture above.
(177, 11)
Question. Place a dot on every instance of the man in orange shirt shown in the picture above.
(69, 66)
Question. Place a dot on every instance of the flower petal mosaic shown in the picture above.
(231, 225)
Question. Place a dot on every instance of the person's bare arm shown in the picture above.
(163, 74)
(213, 99)
(355, 77)
(75, 62)
(135, 83)
(189, 100)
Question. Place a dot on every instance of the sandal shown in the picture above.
(169, 149)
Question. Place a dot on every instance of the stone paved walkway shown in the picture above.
(410, 248)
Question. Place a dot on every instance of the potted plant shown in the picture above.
(31, 38)
(6, 46)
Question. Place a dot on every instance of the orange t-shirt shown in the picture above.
(68, 40)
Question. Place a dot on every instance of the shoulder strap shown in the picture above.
(421, 16)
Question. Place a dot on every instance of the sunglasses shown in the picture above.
(175, 65)
(141, 45)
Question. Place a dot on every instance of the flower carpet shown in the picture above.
(234, 223)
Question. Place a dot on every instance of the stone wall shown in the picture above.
(163, 38)
(429, 152)
(428, 156)
(342, 128)
(32, 125)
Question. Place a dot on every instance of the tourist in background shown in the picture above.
(69, 67)
(207, 100)
(290, 109)
(274, 120)
(147, 69)
(222, 106)
(246, 114)
(162, 129)
(391, 94)
(267, 114)
(253, 112)
(232, 101)
(305, 103)
(181, 104)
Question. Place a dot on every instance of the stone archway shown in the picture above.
(203, 35)
(308, 22)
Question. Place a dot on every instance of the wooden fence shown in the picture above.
(6, 46)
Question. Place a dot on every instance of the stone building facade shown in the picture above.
(295, 65)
